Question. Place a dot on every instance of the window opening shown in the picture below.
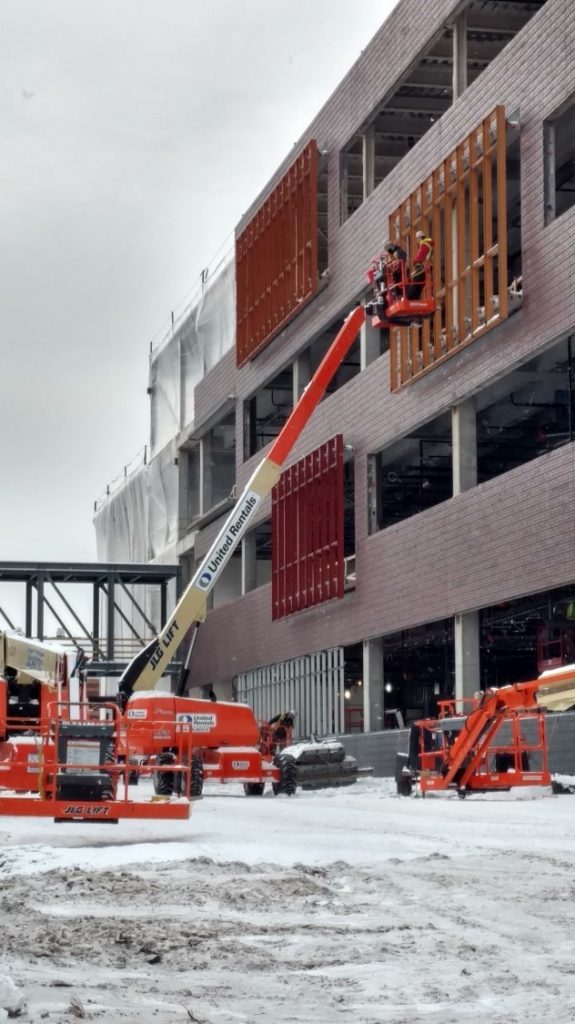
(190, 462)
(218, 462)
(527, 636)
(258, 556)
(266, 412)
(412, 475)
(351, 177)
(527, 413)
(419, 668)
(349, 368)
(353, 688)
(559, 143)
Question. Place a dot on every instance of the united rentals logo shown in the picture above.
(225, 543)
(200, 721)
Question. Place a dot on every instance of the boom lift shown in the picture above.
(60, 756)
(497, 743)
(226, 738)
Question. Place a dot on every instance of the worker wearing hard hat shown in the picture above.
(423, 255)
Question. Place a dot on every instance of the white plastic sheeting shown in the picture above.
(178, 365)
(164, 385)
(139, 521)
(162, 502)
(121, 522)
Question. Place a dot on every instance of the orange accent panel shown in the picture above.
(462, 205)
(276, 258)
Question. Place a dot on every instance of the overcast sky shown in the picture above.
(134, 134)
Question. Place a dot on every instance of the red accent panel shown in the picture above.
(307, 531)
(276, 257)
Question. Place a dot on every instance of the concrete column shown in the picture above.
(183, 485)
(206, 473)
(344, 188)
(369, 344)
(464, 439)
(368, 150)
(467, 674)
(459, 55)
(301, 374)
(373, 694)
(249, 564)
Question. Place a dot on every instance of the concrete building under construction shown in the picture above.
(421, 542)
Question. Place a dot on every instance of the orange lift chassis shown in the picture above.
(498, 744)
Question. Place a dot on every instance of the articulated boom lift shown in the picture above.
(498, 744)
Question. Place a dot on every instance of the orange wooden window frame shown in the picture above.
(277, 257)
(470, 257)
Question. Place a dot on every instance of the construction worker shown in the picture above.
(396, 260)
(282, 726)
(423, 255)
(385, 276)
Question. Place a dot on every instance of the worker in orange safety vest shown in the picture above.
(423, 255)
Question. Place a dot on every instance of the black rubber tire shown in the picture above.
(254, 788)
(404, 786)
(164, 782)
(288, 767)
(197, 779)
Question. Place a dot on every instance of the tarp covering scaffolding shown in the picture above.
(121, 522)
(180, 363)
(137, 519)
(138, 522)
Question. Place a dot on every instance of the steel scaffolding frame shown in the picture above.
(108, 653)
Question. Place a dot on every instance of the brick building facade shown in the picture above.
(453, 593)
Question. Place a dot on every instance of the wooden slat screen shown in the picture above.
(462, 205)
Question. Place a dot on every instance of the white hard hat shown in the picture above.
(420, 234)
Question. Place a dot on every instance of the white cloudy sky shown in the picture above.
(134, 135)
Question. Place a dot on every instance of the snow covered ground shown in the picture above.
(349, 906)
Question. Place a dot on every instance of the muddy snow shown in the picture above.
(338, 906)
